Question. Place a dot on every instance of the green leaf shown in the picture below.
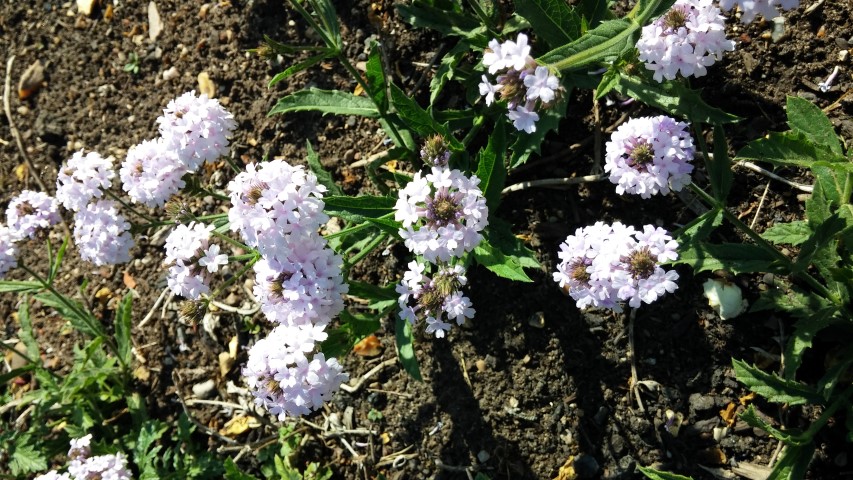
(405, 348)
(700, 228)
(529, 144)
(448, 22)
(606, 41)
(324, 178)
(446, 70)
(232, 471)
(285, 49)
(793, 149)
(808, 119)
(553, 20)
(595, 11)
(793, 464)
(16, 286)
(25, 458)
(418, 119)
(609, 81)
(504, 254)
(674, 98)
(329, 19)
(326, 101)
(753, 419)
(377, 85)
(839, 363)
(720, 167)
(824, 237)
(387, 225)
(491, 167)
(123, 328)
(5, 377)
(791, 233)
(734, 257)
(658, 475)
(56, 263)
(774, 388)
(305, 64)
(369, 291)
(27, 331)
(144, 451)
(74, 312)
(358, 209)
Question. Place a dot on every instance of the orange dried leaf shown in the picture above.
(358, 90)
(368, 347)
(567, 471)
(747, 398)
(728, 414)
(128, 279)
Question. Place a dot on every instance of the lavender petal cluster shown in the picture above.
(766, 8)
(83, 466)
(650, 155)
(436, 300)
(443, 214)
(527, 87)
(192, 258)
(8, 251)
(152, 173)
(30, 212)
(603, 265)
(198, 128)
(282, 377)
(102, 234)
(685, 40)
(82, 178)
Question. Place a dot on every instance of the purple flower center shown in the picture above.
(256, 191)
(578, 271)
(277, 285)
(641, 263)
(642, 155)
(24, 208)
(432, 295)
(676, 18)
(443, 210)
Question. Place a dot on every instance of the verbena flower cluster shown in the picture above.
(766, 8)
(650, 155)
(102, 234)
(527, 88)
(443, 214)
(83, 466)
(685, 40)
(603, 265)
(28, 214)
(193, 130)
(191, 259)
(82, 178)
(278, 209)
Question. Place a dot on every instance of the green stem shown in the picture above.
(28, 359)
(842, 399)
(475, 129)
(230, 281)
(128, 206)
(231, 241)
(366, 250)
(308, 18)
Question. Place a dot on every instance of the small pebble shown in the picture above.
(483, 456)
(843, 55)
(204, 389)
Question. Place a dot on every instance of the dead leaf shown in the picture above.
(385, 437)
(206, 85)
(141, 373)
(86, 7)
(226, 361)
(31, 80)
(14, 359)
(729, 414)
(155, 25)
(712, 456)
(129, 281)
(746, 398)
(567, 471)
(368, 347)
(238, 425)
(103, 295)
(358, 90)
(233, 344)
(21, 172)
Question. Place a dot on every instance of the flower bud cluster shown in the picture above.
(193, 130)
(685, 40)
(191, 259)
(525, 86)
(650, 155)
(603, 265)
(766, 8)
(83, 466)
(278, 209)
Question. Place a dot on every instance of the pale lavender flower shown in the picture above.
(8, 251)
(768, 9)
(152, 173)
(272, 199)
(191, 259)
(212, 259)
(30, 212)
(523, 118)
(436, 300)
(101, 467)
(649, 156)
(53, 475)
(541, 84)
(198, 127)
(685, 40)
(304, 286)
(82, 178)
(102, 234)
(489, 90)
(80, 448)
(442, 213)
(286, 377)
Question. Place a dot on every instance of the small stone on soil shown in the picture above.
(204, 389)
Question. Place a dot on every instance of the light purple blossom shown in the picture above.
(30, 212)
(82, 466)
(198, 128)
(442, 213)
(8, 251)
(649, 156)
(152, 173)
(489, 90)
(191, 259)
(523, 118)
(541, 84)
(102, 234)
(53, 475)
(212, 259)
(286, 377)
(685, 40)
(768, 9)
(82, 178)
(436, 300)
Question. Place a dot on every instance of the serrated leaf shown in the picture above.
(405, 348)
(791, 233)
(528, 144)
(609, 81)
(793, 149)
(326, 102)
(294, 69)
(74, 312)
(700, 228)
(446, 70)
(823, 237)
(26, 459)
(122, 326)
(233, 472)
(504, 254)
(606, 41)
(674, 98)
(15, 286)
(553, 20)
(357, 209)
(285, 49)
(448, 22)
(491, 167)
(774, 388)
(720, 166)
(324, 178)
(734, 257)
(753, 419)
(839, 363)
(793, 464)
(27, 331)
(659, 475)
(418, 119)
(808, 119)
(377, 86)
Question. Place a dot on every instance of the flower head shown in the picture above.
(82, 178)
(8, 251)
(102, 234)
(447, 208)
(191, 259)
(197, 127)
(152, 173)
(650, 155)
(685, 40)
(766, 8)
(436, 300)
(31, 212)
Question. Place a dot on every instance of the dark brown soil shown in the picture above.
(531, 383)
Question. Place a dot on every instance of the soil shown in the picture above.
(532, 383)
